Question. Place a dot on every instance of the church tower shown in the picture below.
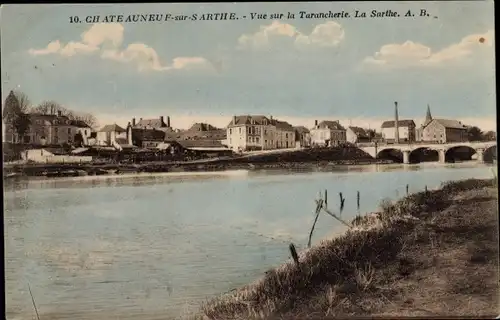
(428, 116)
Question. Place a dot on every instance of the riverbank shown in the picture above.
(431, 253)
(69, 170)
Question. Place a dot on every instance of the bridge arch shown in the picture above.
(490, 153)
(394, 154)
(461, 152)
(423, 154)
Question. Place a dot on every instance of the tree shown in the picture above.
(47, 107)
(14, 116)
(490, 136)
(24, 102)
(371, 134)
(88, 118)
(474, 134)
(22, 124)
(78, 139)
(11, 108)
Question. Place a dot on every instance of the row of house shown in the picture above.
(257, 132)
(243, 133)
(263, 133)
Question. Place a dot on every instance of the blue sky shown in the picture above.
(298, 70)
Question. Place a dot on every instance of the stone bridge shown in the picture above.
(442, 148)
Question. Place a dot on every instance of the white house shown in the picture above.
(406, 129)
(109, 133)
(246, 133)
(327, 133)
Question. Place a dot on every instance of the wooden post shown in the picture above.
(358, 199)
(407, 189)
(326, 198)
(342, 199)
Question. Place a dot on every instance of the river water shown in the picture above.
(155, 246)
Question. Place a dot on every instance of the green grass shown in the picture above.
(422, 255)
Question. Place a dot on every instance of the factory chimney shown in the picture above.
(396, 123)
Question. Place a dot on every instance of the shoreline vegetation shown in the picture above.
(432, 253)
(297, 159)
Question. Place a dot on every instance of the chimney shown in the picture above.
(315, 123)
(129, 133)
(133, 122)
(271, 117)
(59, 113)
(234, 120)
(396, 123)
(168, 121)
(161, 119)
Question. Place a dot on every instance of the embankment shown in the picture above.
(295, 159)
(432, 253)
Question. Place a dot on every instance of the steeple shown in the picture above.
(428, 116)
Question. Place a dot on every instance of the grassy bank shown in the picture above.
(429, 254)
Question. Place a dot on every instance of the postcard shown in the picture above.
(249, 160)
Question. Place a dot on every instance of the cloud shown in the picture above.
(328, 34)
(147, 58)
(91, 41)
(106, 39)
(412, 54)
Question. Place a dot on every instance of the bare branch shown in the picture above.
(24, 102)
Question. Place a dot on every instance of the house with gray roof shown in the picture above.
(258, 132)
(357, 135)
(328, 133)
(441, 130)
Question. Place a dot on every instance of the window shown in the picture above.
(230, 131)
(257, 139)
(240, 130)
(286, 135)
(265, 131)
(69, 131)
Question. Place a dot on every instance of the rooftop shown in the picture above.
(332, 125)
(151, 123)
(401, 123)
(452, 124)
(112, 128)
(360, 132)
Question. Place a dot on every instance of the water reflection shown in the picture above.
(116, 247)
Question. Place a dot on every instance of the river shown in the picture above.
(155, 246)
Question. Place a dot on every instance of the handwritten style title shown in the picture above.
(223, 16)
